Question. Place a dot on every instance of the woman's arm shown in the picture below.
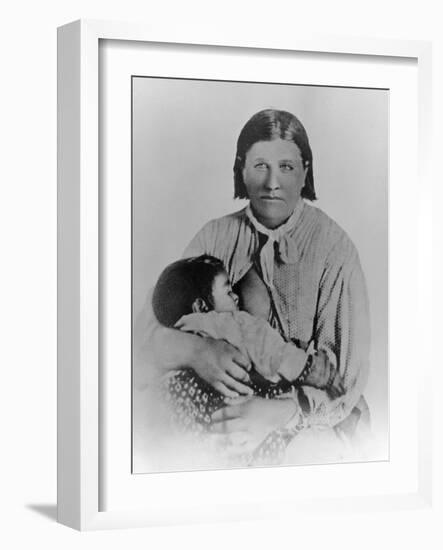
(160, 349)
(342, 333)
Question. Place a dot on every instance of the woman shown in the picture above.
(292, 265)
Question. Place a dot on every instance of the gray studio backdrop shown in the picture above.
(184, 139)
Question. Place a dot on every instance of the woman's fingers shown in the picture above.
(224, 390)
(241, 360)
(236, 386)
(227, 413)
(229, 401)
(228, 426)
(238, 373)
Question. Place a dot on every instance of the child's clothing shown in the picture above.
(253, 337)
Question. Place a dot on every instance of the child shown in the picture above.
(195, 295)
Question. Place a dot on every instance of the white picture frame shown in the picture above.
(79, 294)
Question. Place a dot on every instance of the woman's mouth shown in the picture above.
(270, 198)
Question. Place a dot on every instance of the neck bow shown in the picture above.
(279, 244)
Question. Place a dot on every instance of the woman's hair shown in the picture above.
(267, 125)
(183, 282)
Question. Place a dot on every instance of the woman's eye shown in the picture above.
(286, 167)
(260, 166)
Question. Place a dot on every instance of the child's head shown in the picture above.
(192, 285)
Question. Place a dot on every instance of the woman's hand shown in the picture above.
(223, 367)
(324, 376)
(246, 422)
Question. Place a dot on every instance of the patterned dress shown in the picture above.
(313, 290)
(192, 402)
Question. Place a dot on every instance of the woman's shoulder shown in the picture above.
(224, 227)
(229, 220)
(218, 236)
(328, 232)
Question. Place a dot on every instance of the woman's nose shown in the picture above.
(272, 180)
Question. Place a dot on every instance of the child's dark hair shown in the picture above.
(181, 284)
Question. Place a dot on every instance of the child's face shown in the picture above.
(222, 294)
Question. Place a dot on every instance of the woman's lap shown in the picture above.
(191, 402)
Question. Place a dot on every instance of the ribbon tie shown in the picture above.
(279, 241)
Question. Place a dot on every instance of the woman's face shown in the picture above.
(274, 177)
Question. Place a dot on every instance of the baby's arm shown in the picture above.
(270, 354)
(274, 358)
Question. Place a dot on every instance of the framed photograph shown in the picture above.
(244, 248)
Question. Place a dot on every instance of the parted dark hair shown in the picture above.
(267, 125)
(183, 282)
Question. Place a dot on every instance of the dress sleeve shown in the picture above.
(342, 331)
(204, 242)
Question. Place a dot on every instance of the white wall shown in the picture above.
(28, 277)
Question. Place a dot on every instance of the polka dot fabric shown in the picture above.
(192, 403)
(321, 297)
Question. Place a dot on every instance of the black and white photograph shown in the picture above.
(259, 274)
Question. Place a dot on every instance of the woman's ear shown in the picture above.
(199, 306)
